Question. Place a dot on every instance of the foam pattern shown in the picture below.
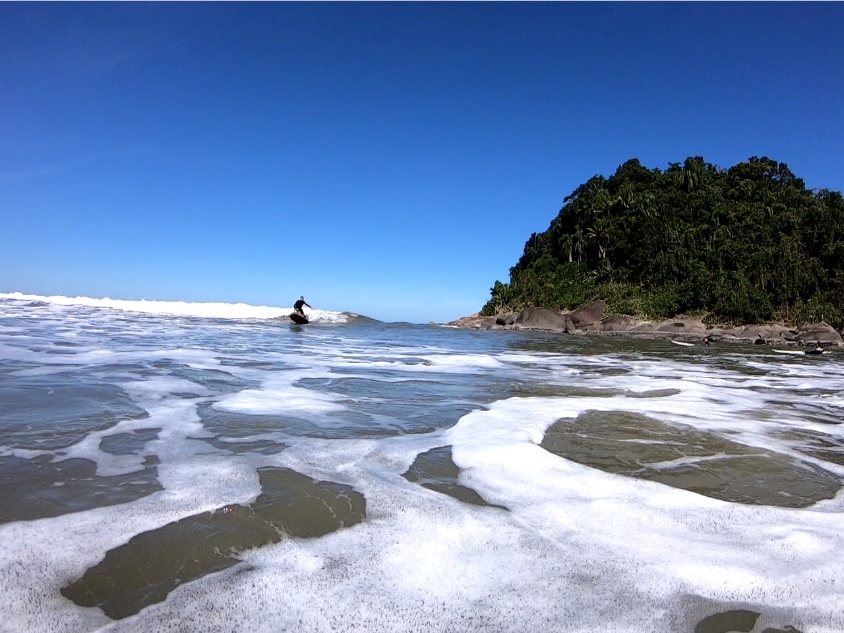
(561, 545)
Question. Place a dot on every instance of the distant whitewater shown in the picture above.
(169, 466)
(182, 308)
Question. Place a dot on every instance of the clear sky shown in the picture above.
(389, 159)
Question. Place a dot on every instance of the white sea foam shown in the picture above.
(181, 308)
(578, 549)
(279, 395)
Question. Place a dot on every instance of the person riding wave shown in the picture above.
(297, 307)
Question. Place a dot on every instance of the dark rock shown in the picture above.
(589, 313)
(540, 319)
(481, 323)
(587, 320)
(757, 334)
(505, 319)
(619, 323)
(671, 327)
(819, 332)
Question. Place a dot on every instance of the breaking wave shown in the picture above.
(185, 308)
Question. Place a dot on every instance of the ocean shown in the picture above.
(172, 466)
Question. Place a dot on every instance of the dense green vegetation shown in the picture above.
(741, 245)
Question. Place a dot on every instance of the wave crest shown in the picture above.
(183, 308)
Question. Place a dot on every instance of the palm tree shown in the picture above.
(693, 172)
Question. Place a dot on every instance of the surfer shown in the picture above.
(818, 349)
(297, 307)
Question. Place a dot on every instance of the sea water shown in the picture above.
(211, 467)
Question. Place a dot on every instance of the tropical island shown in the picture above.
(693, 246)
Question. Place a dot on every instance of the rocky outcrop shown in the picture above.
(588, 319)
(819, 332)
(589, 314)
(474, 321)
(540, 319)
(761, 334)
(620, 323)
(505, 319)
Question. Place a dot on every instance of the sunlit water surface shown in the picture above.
(170, 472)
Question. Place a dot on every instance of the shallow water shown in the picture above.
(204, 467)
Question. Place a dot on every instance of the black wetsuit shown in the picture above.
(298, 305)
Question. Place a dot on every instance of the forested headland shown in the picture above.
(747, 244)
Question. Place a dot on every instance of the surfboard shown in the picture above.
(683, 343)
(298, 318)
(798, 352)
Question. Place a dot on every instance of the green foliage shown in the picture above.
(501, 299)
(621, 298)
(745, 304)
(743, 245)
(817, 309)
(661, 302)
(558, 285)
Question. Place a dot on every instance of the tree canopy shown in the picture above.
(741, 245)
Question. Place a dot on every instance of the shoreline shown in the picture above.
(589, 320)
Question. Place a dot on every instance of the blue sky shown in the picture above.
(389, 159)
